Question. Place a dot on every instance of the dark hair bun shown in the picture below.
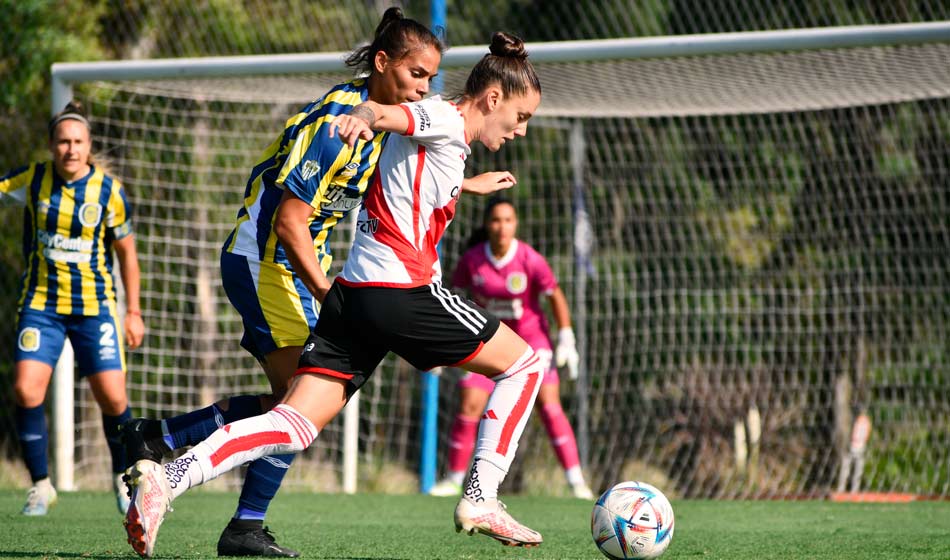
(389, 16)
(73, 107)
(507, 45)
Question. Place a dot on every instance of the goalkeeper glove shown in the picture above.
(566, 352)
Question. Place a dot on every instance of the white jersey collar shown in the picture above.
(506, 258)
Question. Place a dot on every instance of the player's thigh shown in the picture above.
(342, 347)
(473, 398)
(280, 366)
(429, 326)
(40, 338)
(108, 388)
(275, 307)
(499, 353)
(97, 342)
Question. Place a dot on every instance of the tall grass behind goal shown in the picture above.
(752, 235)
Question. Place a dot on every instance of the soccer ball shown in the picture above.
(632, 520)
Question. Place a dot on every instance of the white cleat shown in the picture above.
(445, 487)
(151, 498)
(121, 493)
(582, 491)
(492, 519)
(41, 497)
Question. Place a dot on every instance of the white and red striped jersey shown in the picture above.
(411, 201)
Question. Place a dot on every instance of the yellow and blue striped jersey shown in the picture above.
(68, 230)
(322, 171)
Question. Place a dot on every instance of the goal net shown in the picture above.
(754, 247)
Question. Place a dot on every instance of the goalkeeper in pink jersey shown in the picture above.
(508, 277)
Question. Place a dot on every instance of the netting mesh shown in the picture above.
(764, 269)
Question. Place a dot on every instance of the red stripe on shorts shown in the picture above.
(245, 443)
(470, 357)
(324, 371)
(516, 414)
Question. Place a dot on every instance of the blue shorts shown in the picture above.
(97, 339)
(276, 308)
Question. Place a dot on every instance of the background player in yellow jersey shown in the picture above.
(274, 262)
(75, 215)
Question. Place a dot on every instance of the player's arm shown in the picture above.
(565, 352)
(367, 118)
(489, 182)
(129, 267)
(293, 232)
(13, 186)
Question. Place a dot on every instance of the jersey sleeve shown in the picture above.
(541, 274)
(119, 213)
(433, 121)
(13, 185)
(312, 162)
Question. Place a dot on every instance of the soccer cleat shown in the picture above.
(138, 445)
(121, 492)
(446, 487)
(249, 537)
(492, 519)
(40, 498)
(151, 498)
(582, 491)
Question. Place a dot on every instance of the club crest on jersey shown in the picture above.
(309, 169)
(29, 340)
(517, 282)
(90, 213)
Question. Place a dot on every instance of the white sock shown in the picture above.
(575, 477)
(282, 430)
(483, 481)
(503, 422)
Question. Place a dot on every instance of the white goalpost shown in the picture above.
(732, 326)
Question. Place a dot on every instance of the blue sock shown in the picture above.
(194, 427)
(110, 425)
(261, 483)
(33, 434)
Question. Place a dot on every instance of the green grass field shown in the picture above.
(86, 525)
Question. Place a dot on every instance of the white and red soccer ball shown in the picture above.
(632, 520)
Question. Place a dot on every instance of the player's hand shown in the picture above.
(565, 355)
(490, 182)
(350, 129)
(134, 330)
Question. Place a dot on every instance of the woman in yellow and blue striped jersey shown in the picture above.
(75, 215)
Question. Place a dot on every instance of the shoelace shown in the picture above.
(269, 534)
(33, 498)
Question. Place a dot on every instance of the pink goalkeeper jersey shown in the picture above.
(411, 201)
(510, 287)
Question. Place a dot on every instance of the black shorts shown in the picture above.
(428, 326)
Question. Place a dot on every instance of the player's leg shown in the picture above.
(474, 390)
(245, 534)
(504, 420)
(560, 434)
(432, 326)
(278, 315)
(336, 365)
(100, 354)
(39, 343)
(278, 322)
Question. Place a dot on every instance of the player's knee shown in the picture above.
(28, 393)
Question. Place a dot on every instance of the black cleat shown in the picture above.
(249, 537)
(143, 440)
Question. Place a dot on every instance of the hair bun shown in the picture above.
(391, 15)
(507, 45)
